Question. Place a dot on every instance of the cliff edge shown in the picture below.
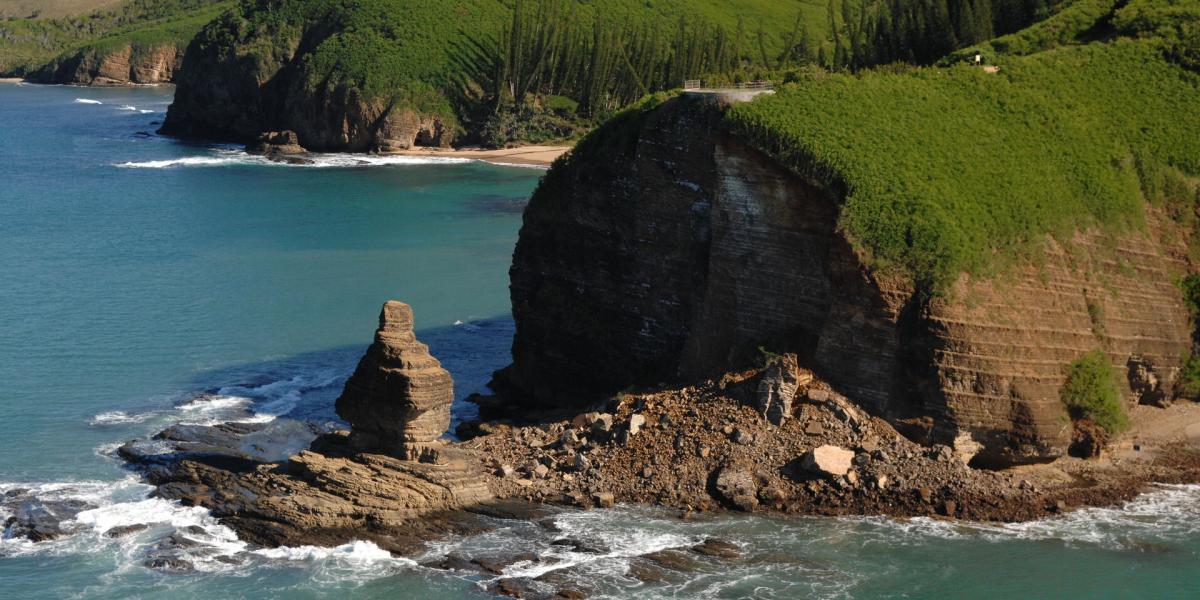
(679, 243)
(125, 64)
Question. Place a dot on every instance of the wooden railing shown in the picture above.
(696, 85)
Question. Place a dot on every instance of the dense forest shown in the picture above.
(548, 63)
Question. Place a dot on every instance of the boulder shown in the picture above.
(636, 422)
(778, 388)
(828, 461)
(276, 145)
(398, 399)
(718, 548)
(38, 519)
(737, 486)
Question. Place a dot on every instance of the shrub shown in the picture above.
(1189, 378)
(1091, 392)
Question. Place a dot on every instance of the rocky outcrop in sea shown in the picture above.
(398, 399)
(389, 479)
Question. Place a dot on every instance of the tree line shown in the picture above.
(604, 62)
(866, 34)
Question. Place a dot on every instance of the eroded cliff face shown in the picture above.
(239, 90)
(664, 250)
(123, 65)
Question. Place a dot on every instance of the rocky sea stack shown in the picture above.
(398, 399)
(390, 479)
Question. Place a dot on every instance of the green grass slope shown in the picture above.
(27, 44)
(946, 170)
(405, 51)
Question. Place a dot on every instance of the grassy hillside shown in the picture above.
(953, 169)
(51, 9)
(27, 44)
(379, 46)
(329, 69)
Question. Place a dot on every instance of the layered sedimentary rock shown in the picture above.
(382, 481)
(665, 250)
(398, 399)
(124, 65)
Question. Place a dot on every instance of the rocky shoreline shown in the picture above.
(284, 146)
(773, 439)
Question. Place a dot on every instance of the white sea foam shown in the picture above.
(128, 108)
(145, 111)
(279, 398)
(1168, 512)
(520, 165)
(223, 157)
(214, 403)
(356, 551)
(210, 546)
(120, 417)
(87, 101)
(189, 161)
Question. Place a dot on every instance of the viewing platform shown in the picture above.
(726, 95)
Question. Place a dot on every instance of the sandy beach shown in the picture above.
(531, 156)
(11, 80)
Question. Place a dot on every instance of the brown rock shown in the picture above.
(718, 548)
(737, 486)
(636, 422)
(778, 388)
(276, 144)
(747, 252)
(1088, 439)
(127, 64)
(828, 461)
(398, 399)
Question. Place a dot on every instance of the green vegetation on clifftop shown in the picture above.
(28, 44)
(408, 53)
(946, 170)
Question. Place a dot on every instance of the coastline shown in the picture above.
(12, 80)
(651, 448)
(523, 156)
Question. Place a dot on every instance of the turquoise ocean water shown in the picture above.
(136, 271)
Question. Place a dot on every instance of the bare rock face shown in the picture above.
(278, 146)
(669, 251)
(778, 388)
(222, 95)
(398, 399)
(129, 64)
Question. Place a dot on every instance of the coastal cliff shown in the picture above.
(667, 250)
(124, 64)
(341, 77)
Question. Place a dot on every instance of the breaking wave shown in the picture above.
(87, 101)
(120, 417)
(140, 532)
(229, 157)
